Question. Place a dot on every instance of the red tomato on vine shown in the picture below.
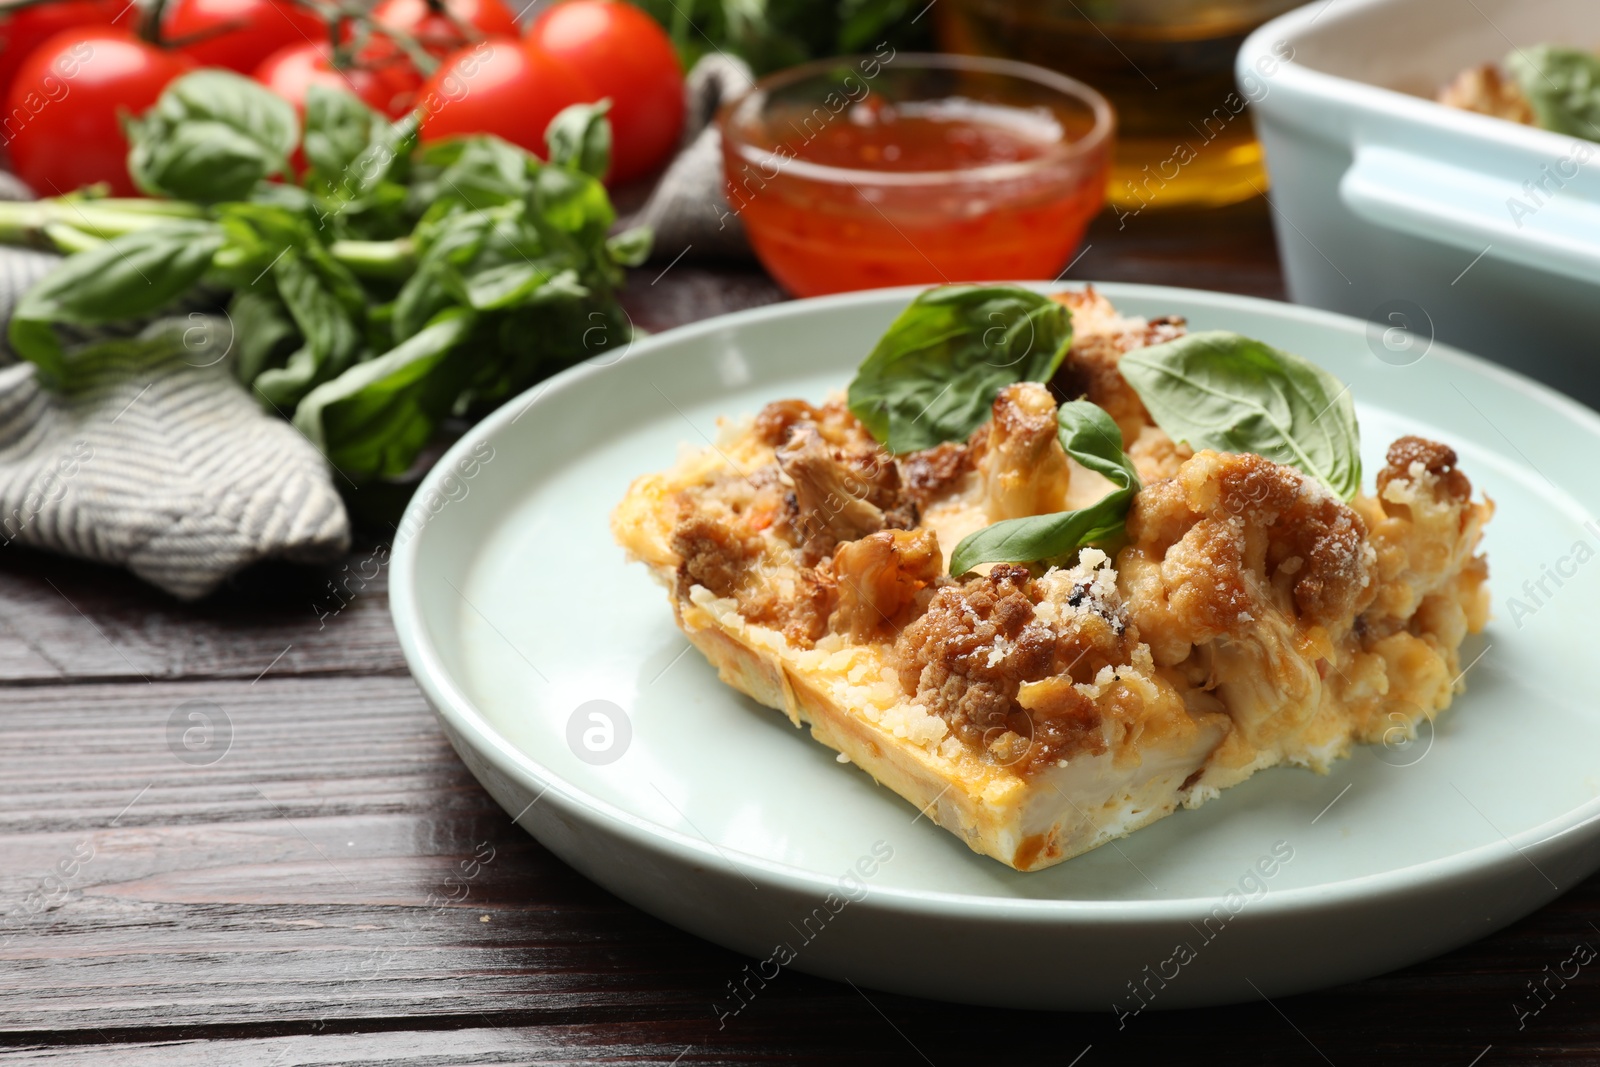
(499, 86)
(26, 28)
(62, 120)
(625, 55)
(239, 34)
(291, 71)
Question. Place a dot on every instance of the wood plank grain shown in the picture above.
(337, 868)
(62, 620)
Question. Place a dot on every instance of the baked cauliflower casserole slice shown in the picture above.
(1249, 618)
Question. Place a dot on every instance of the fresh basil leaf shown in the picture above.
(374, 189)
(211, 137)
(203, 161)
(121, 357)
(127, 277)
(424, 295)
(257, 233)
(360, 169)
(562, 323)
(325, 318)
(1091, 437)
(387, 156)
(470, 172)
(1219, 390)
(373, 419)
(353, 150)
(1562, 86)
(339, 128)
(631, 247)
(934, 375)
(263, 333)
(448, 245)
(282, 196)
(563, 287)
(235, 100)
(579, 138)
(574, 203)
(512, 284)
(489, 260)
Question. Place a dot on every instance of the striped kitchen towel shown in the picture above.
(159, 461)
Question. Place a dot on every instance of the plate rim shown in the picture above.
(464, 720)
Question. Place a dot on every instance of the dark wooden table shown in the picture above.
(335, 888)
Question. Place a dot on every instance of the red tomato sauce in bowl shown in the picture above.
(915, 169)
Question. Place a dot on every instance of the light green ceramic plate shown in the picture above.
(560, 678)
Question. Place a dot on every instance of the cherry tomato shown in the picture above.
(260, 28)
(441, 27)
(25, 29)
(499, 86)
(291, 71)
(624, 54)
(438, 24)
(64, 106)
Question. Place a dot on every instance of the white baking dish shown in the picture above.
(1413, 215)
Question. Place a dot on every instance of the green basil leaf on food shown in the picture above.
(127, 277)
(373, 419)
(1091, 437)
(1562, 86)
(579, 138)
(211, 137)
(934, 375)
(1227, 392)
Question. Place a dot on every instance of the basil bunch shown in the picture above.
(928, 380)
(393, 287)
(1562, 86)
(1091, 437)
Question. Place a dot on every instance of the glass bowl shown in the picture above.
(899, 169)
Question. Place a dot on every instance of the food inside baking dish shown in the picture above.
(1049, 572)
(1549, 86)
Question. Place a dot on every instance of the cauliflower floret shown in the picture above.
(1024, 465)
